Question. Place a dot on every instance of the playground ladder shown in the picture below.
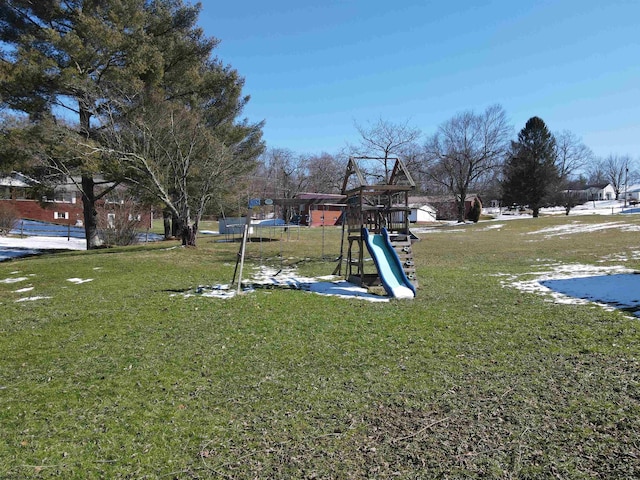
(401, 243)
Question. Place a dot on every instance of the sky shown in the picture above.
(315, 70)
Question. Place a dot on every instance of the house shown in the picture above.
(321, 209)
(421, 211)
(65, 208)
(445, 205)
(632, 194)
(314, 209)
(601, 191)
(14, 186)
(18, 191)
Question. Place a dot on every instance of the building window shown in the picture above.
(61, 215)
(64, 197)
(111, 220)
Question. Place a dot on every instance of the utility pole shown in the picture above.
(626, 185)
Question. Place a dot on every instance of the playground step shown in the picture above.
(399, 237)
(400, 241)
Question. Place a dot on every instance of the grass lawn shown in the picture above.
(116, 375)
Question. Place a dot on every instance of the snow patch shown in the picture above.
(492, 227)
(31, 299)
(23, 290)
(13, 280)
(287, 278)
(577, 227)
(610, 287)
(44, 243)
(78, 281)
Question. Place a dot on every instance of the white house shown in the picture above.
(422, 213)
(14, 185)
(632, 193)
(604, 191)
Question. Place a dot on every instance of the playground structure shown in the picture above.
(376, 225)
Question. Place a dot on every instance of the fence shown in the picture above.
(44, 229)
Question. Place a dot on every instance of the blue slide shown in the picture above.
(393, 278)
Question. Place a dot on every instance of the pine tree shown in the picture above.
(65, 57)
(530, 172)
(90, 63)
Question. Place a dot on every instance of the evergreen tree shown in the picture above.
(530, 172)
(475, 211)
(90, 64)
(65, 57)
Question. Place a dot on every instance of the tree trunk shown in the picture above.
(176, 225)
(189, 233)
(90, 213)
(166, 218)
(461, 209)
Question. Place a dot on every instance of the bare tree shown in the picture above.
(168, 151)
(466, 149)
(412, 155)
(571, 154)
(385, 140)
(324, 173)
(595, 173)
(285, 176)
(616, 171)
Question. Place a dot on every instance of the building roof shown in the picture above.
(597, 186)
(15, 179)
(423, 206)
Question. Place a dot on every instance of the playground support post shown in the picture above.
(243, 248)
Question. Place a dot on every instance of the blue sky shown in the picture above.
(314, 69)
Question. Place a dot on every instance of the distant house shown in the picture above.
(66, 208)
(15, 186)
(445, 205)
(632, 192)
(314, 209)
(320, 209)
(421, 211)
(601, 191)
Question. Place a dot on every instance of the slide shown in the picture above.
(393, 278)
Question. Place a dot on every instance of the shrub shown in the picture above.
(8, 218)
(119, 229)
(475, 211)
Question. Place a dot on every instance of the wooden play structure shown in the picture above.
(376, 225)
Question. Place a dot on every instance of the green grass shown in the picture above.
(120, 377)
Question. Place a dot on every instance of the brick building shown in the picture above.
(65, 208)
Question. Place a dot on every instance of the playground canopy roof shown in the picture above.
(376, 174)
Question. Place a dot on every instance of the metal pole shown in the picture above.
(626, 185)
